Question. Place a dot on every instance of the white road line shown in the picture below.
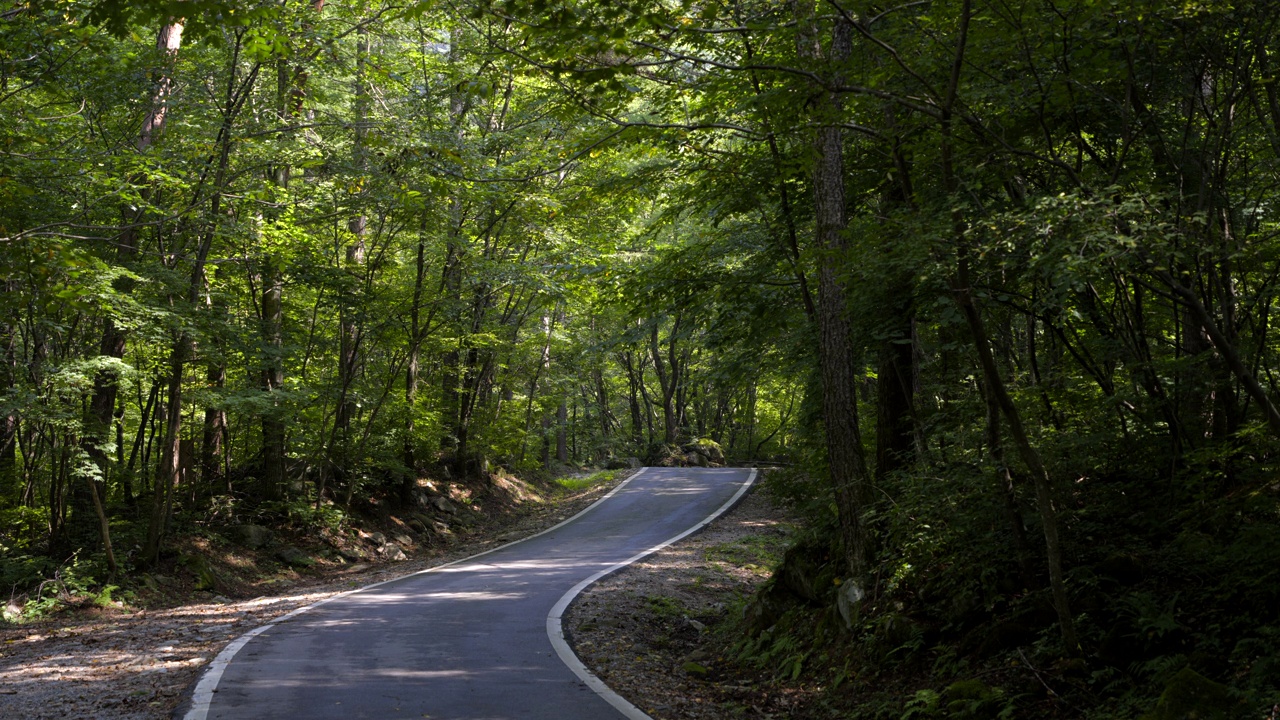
(202, 696)
(555, 627)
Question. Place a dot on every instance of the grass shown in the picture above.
(578, 484)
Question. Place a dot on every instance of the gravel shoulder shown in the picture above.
(136, 664)
(650, 630)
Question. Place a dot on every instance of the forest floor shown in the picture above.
(659, 632)
(136, 660)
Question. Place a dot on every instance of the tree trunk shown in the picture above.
(213, 442)
(562, 422)
(10, 425)
(846, 461)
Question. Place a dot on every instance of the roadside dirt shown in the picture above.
(656, 632)
(128, 663)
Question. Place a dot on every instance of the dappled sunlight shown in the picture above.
(468, 596)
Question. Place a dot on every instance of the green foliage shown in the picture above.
(578, 483)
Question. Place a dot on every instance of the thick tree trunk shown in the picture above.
(847, 465)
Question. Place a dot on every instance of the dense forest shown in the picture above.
(992, 280)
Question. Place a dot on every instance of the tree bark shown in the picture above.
(846, 462)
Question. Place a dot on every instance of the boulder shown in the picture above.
(849, 602)
(250, 536)
(293, 557)
(350, 554)
(1192, 696)
(806, 571)
(202, 569)
(443, 505)
(392, 552)
(708, 449)
(377, 538)
(767, 608)
(694, 669)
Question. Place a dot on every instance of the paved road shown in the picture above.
(477, 640)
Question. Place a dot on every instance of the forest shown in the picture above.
(989, 282)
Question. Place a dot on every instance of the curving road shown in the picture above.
(479, 639)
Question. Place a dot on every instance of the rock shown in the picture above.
(404, 540)
(708, 449)
(969, 696)
(698, 655)
(199, 565)
(392, 552)
(441, 528)
(293, 557)
(767, 608)
(1004, 635)
(378, 538)
(442, 504)
(694, 669)
(1124, 570)
(849, 602)
(350, 554)
(806, 571)
(1192, 696)
(250, 536)
(695, 459)
(616, 464)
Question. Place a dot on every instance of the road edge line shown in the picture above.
(207, 685)
(555, 626)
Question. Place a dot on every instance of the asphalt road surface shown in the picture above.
(476, 640)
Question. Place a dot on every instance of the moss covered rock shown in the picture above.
(1192, 696)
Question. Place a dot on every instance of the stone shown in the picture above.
(392, 552)
(767, 608)
(250, 536)
(442, 504)
(377, 538)
(350, 554)
(202, 569)
(293, 557)
(848, 601)
(404, 540)
(708, 449)
(1192, 696)
(806, 571)
(616, 464)
(695, 669)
